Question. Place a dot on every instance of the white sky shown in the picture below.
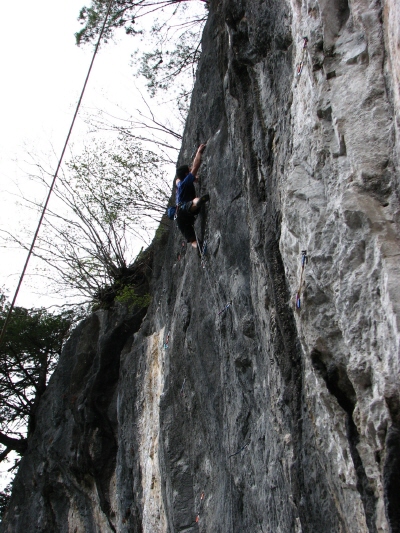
(42, 76)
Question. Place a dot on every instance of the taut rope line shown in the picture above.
(3, 331)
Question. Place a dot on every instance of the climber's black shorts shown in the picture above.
(185, 208)
(185, 221)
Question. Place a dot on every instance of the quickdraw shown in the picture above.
(239, 451)
(303, 57)
(304, 261)
(166, 343)
(225, 308)
(200, 507)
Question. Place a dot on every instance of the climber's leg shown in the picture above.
(198, 202)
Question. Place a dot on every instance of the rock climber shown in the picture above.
(187, 204)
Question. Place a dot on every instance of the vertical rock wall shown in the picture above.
(229, 408)
(391, 20)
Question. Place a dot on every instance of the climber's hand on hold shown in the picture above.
(197, 159)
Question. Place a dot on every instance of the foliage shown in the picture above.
(28, 355)
(147, 128)
(4, 499)
(118, 182)
(173, 48)
(130, 286)
(171, 64)
(123, 14)
(111, 197)
(127, 295)
(160, 232)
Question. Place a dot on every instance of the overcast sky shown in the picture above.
(42, 76)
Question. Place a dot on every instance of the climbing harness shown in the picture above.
(303, 57)
(177, 210)
(239, 451)
(166, 343)
(225, 308)
(304, 261)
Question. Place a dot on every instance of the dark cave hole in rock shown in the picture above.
(335, 14)
(340, 386)
(391, 471)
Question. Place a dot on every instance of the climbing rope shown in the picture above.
(204, 253)
(202, 249)
(225, 402)
(3, 331)
(304, 257)
(215, 293)
(190, 451)
(182, 391)
(304, 261)
(202, 258)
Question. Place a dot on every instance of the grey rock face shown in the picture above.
(259, 416)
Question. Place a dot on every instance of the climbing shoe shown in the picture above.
(203, 200)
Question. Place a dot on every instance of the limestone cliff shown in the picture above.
(262, 415)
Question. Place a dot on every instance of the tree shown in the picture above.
(110, 197)
(172, 44)
(5, 496)
(28, 356)
(123, 14)
(169, 64)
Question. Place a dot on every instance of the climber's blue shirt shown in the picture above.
(185, 191)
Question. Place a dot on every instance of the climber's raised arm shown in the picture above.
(197, 160)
